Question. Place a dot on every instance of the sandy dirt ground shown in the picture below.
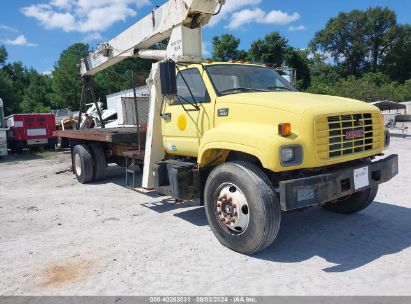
(58, 237)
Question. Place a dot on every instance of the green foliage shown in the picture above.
(405, 90)
(225, 48)
(3, 55)
(322, 71)
(364, 41)
(243, 55)
(37, 96)
(8, 94)
(14, 78)
(364, 89)
(298, 60)
(361, 42)
(370, 87)
(20, 76)
(67, 83)
(270, 50)
(397, 63)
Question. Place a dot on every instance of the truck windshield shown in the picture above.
(234, 79)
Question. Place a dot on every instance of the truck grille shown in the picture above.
(342, 135)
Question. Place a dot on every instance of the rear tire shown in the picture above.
(83, 164)
(99, 162)
(59, 144)
(228, 189)
(354, 203)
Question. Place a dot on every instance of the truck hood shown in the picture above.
(298, 103)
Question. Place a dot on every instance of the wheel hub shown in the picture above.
(232, 208)
(227, 210)
(77, 163)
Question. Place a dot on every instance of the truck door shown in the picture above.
(185, 121)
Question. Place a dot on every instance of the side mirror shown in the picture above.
(168, 78)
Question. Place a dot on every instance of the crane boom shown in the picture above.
(179, 20)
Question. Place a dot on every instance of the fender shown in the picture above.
(251, 138)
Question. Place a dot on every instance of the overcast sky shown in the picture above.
(35, 32)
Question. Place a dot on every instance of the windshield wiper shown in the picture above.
(280, 88)
(241, 89)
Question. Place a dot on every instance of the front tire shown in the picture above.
(354, 203)
(242, 207)
(83, 164)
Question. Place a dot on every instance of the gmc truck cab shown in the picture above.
(257, 147)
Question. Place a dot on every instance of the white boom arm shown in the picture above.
(179, 20)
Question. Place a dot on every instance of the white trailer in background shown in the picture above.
(123, 104)
(3, 132)
(408, 107)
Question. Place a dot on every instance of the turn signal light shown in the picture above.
(284, 129)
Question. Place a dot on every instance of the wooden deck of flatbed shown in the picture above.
(127, 136)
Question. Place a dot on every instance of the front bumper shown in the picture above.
(319, 189)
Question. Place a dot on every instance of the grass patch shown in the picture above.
(14, 159)
(13, 163)
(45, 154)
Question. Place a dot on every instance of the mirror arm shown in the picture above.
(196, 107)
(195, 104)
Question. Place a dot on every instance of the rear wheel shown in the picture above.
(59, 144)
(83, 164)
(99, 162)
(242, 207)
(16, 147)
(354, 203)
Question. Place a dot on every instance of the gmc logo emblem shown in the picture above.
(353, 134)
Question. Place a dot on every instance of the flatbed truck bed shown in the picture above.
(100, 147)
(112, 135)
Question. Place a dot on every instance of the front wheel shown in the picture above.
(242, 207)
(354, 203)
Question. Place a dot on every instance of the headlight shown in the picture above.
(287, 155)
(291, 155)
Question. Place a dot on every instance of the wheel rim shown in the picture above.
(77, 164)
(231, 208)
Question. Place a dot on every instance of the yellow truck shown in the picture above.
(236, 136)
(244, 141)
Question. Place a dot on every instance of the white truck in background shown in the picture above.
(3, 132)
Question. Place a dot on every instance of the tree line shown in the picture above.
(364, 55)
(24, 90)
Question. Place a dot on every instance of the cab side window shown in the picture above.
(194, 81)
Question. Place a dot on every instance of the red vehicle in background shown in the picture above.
(30, 131)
